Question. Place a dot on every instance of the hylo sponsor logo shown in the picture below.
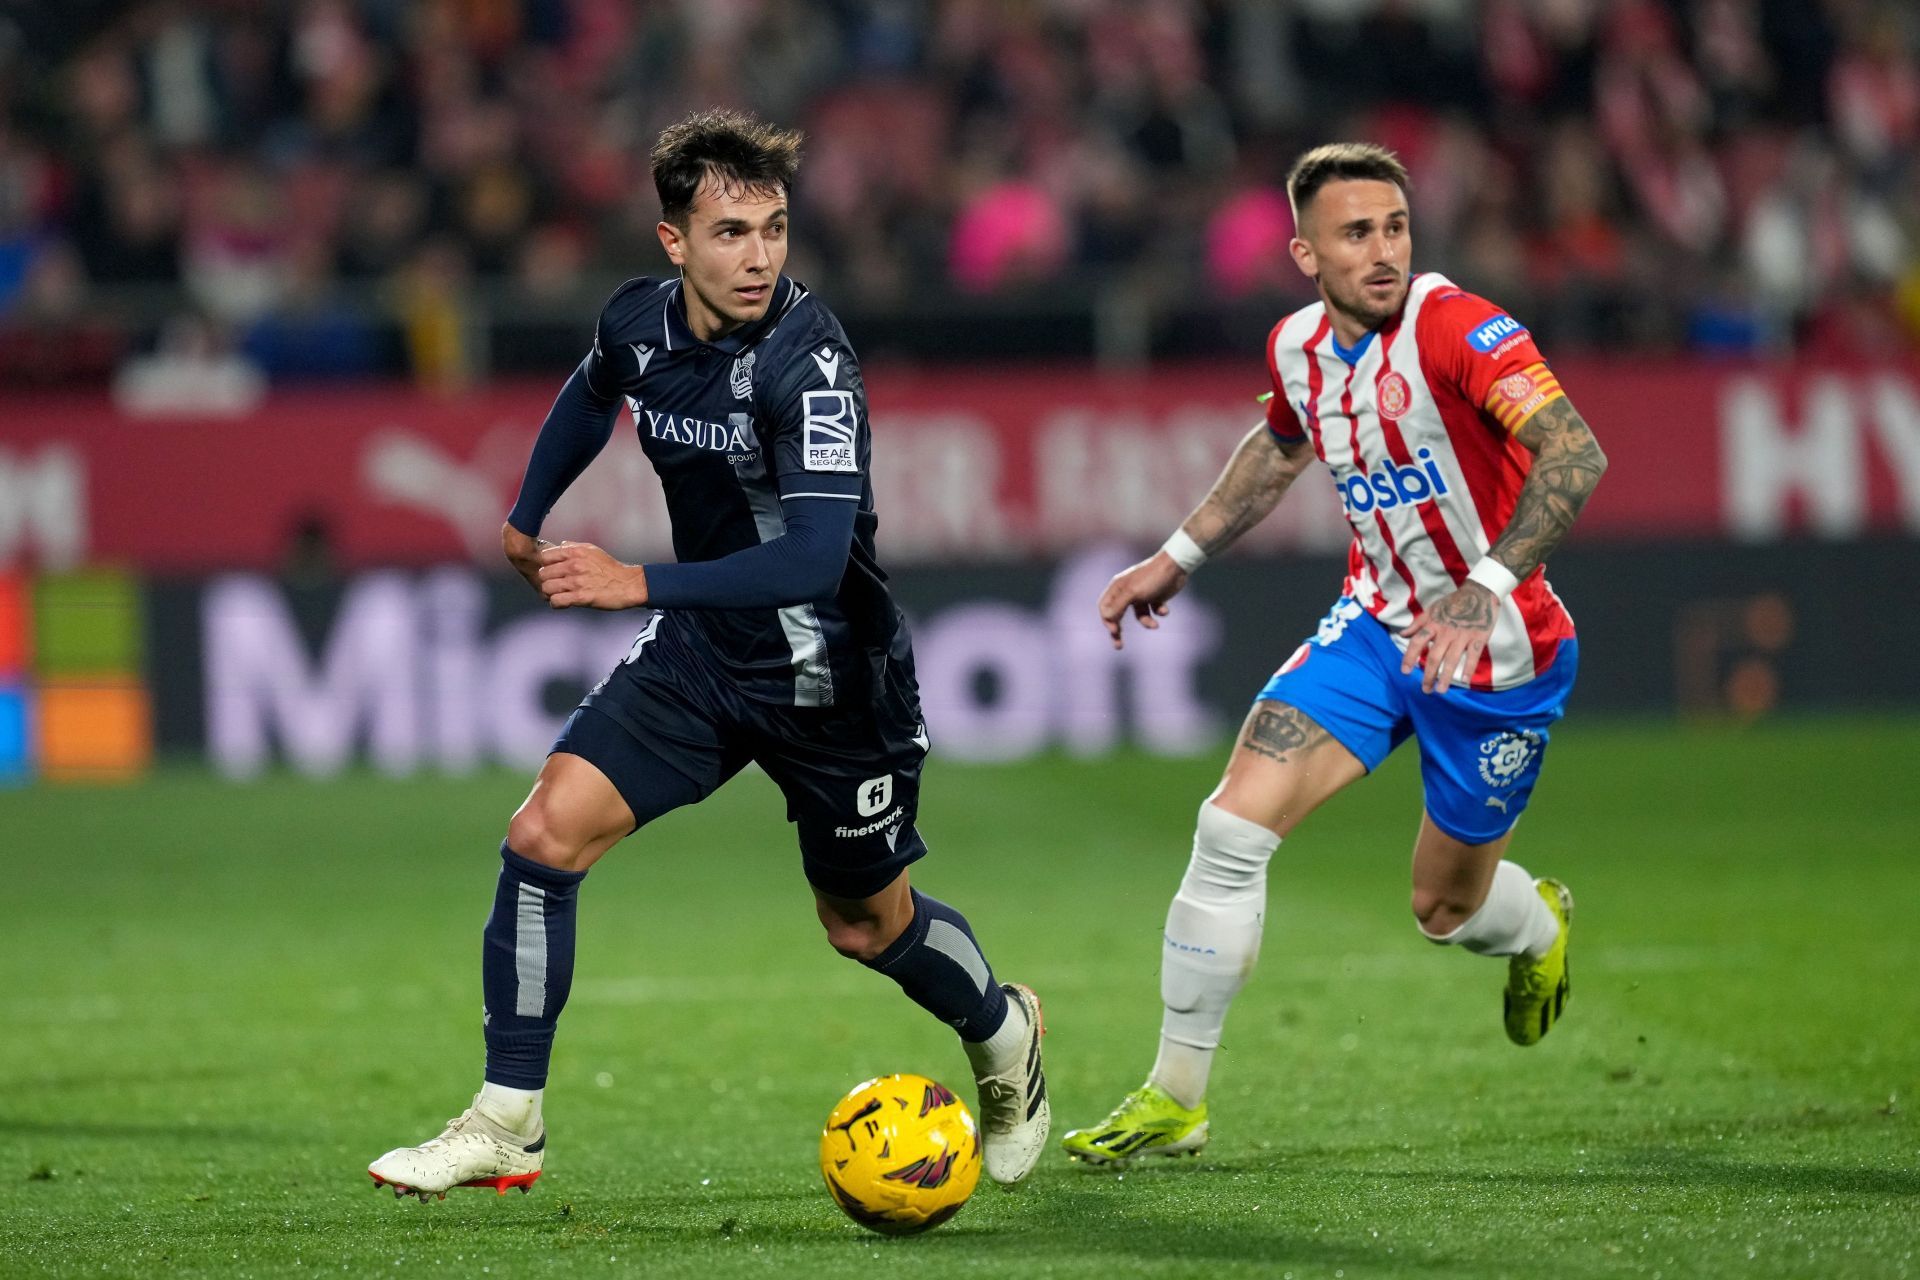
(1493, 333)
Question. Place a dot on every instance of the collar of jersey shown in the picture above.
(1353, 353)
(680, 333)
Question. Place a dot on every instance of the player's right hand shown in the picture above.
(1144, 589)
(523, 553)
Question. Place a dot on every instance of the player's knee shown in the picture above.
(1441, 912)
(1230, 856)
(533, 835)
(862, 940)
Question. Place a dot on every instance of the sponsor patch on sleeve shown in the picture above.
(1493, 332)
(828, 432)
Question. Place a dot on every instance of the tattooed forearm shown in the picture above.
(1567, 465)
(1275, 729)
(1256, 477)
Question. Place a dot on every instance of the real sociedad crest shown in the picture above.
(743, 377)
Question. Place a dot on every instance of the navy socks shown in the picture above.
(939, 965)
(526, 967)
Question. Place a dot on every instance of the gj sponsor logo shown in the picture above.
(827, 437)
(1505, 756)
(1391, 485)
(1494, 332)
(874, 795)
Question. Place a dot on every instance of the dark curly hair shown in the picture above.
(742, 153)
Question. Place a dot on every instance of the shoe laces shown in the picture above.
(1137, 1098)
(467, 1121)
(999, 1095)
(454, 1128)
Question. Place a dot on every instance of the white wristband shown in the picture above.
(1494, 576)
(1185, 551)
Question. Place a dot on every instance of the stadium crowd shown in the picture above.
(1703, 175)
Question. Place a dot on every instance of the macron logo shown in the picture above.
(643, 354)
(829, 362)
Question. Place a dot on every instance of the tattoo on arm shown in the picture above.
(1471, 609)
(1277, 729)
(1256, 478)
(1567, 465)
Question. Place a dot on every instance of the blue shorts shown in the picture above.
(668, 727)
(1480, 752)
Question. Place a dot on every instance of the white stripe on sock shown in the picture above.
(956, 946)
(530, 952)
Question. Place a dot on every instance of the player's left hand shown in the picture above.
(1449, 638)
(579, 574)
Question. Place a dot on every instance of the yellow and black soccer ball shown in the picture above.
(900, 1154)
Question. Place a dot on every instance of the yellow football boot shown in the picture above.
(1537, 989)
(1146, 1123)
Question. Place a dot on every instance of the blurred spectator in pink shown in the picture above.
(1247, 244)
(1009, 233)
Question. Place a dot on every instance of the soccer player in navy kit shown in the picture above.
(775, 641)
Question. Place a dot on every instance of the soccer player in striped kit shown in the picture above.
(1461, 464)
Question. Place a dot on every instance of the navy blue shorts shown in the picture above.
(1480, 751)
(667, 727)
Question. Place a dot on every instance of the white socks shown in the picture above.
(1514, 920)
(1211, 943)
(515, 1110)
(992, 1056)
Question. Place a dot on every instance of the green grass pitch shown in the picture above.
(221, 1002)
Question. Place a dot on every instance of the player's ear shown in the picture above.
(1303, 258)
(674, 241)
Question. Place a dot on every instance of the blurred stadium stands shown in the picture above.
(449, 187)
(286, 287)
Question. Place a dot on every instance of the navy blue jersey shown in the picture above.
(774, 410)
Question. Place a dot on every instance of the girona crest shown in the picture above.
(1393, 395)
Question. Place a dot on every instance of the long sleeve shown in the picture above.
(801, 566)
(577, 427)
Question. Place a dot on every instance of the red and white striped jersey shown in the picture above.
(1416, 423)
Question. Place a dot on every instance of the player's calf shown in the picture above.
(938, 963)
(1528, 922)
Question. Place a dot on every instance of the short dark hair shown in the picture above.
(1341, 160)
(743, 153)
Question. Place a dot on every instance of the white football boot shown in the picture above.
(1014, 1112)
(472, 1151)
